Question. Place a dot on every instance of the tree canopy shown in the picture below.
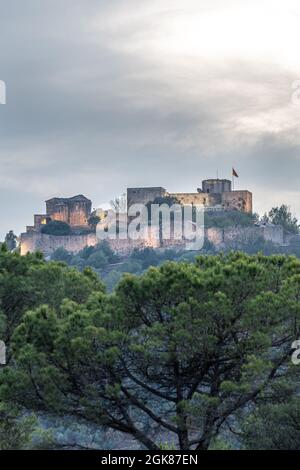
(283, 216)
(11, 240)
(179, 355)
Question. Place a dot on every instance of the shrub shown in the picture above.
(56, 227)
(61, 254)
(97, 260)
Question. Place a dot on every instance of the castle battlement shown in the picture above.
(213, 193)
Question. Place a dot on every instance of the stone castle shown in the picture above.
(75, 211)
(215, 194)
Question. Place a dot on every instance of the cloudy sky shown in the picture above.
(105, 94)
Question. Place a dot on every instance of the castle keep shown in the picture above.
(74, 211)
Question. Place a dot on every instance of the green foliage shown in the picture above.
(172, 356)
(109, 265)
(112, 279)
(223, 219)
(273, 426)
(147, 257)
(283, 216)
(27, 282)
(220, 444)
(61, 254)
(93, 221)
(56, 227)
(251, 243)
(98, 257)
(86, 252)
(107, 251)
(10, 241)
(208, 247)
(21, 431)
(97, 260)
(15, 432)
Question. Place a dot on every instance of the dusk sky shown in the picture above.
(105, 94)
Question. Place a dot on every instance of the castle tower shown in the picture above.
(73, 210)
(216, 186)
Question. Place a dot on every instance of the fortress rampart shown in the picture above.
(221, 238)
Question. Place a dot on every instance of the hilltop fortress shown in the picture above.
(214, 195)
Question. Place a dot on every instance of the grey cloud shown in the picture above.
(90, 111)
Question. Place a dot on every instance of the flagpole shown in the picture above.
(232, 177)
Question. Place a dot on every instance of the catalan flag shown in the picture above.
(234, 173)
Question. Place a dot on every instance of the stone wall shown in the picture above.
(47, 244)
(58, 212)
(75, 211)
(216, 185)
(216, 194)
(143, 195)
(231, 236)
(274, 233)
(215, 236)
(240, 200)
(36, 241)
(228, 237)
(205, 199)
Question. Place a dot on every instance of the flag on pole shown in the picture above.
(234, 173)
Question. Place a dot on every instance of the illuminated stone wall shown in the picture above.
(36, 241)
(75, 211)
(228, 237)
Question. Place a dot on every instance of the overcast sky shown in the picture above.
(105, 94)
